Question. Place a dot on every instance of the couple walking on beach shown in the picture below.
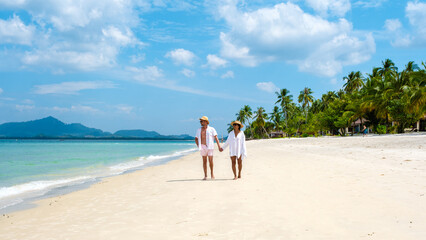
(236, 141)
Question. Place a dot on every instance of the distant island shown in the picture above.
(52, 128)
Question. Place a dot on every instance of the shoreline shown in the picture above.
(328, 188)
(27, 199)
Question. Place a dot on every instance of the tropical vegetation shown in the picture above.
(386, 100)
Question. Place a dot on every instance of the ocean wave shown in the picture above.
(12, 202)
(16, 194)
(37, 186)
(122, 167)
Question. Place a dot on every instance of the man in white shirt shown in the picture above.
(205, 141)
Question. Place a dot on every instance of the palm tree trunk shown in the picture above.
(251, 129)
(306, 116)
(387, 123)
(267, 134)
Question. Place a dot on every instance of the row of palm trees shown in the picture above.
(386, 100)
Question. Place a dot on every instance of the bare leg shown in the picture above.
(205, 167)
(211, 166)
(240, 166)
(234, 169)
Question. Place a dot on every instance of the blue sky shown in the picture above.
(161, 64)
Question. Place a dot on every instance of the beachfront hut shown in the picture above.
(420, 125)
(276, 134)
(357, 126)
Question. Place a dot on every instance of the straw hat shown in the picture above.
(237, 122)
(204, 118)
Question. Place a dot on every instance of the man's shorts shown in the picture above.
(205, 151)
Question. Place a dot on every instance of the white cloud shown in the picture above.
(181, 56)
(286, 33)
(392, 25)
(240, 54)
(96, 57)
(1, 91)
(170, 5)
(394, 30)
(416, 14)
(60, 109)
(188, 73)
(12, 3)
(328, 59)
(228, 74)
(137, 58)
(72, 35)
(28, 101)
(153, 76)
(415, 34)
(84, 109)
(332, 7)
(124, 108)
(333, 81)
(121, 38)
(370, 3)
(147, 74)
(75, 108)
(14, 31)
(22, 108)
(70, 87)
(267, 87)
(8, 99)
(215, 62)
(69, 15)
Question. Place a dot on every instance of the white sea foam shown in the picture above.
(37, 186)
(122, 167)
(13, 195)
(11, 202)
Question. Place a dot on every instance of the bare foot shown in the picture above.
(205, 178)
(212, 177)
(239, 176)
(235, 178)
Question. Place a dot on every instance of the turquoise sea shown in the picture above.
(34, 168)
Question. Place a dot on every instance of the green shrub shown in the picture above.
(304, 135)
(381, 129)
(393, 129)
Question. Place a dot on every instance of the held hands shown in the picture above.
(220, 149)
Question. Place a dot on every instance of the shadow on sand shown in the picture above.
(199, 180)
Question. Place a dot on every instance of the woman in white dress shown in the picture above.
(237, 147)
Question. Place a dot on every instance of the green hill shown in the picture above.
(51, 127)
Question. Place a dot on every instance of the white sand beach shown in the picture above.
(311, 188)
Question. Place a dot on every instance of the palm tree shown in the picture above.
(240, 115)
(317, 106)
(284, 99)
(305, 97)
(411, 67)
(388, 67)
(377, 95)
(418, 94)
(328, 97)
(275, 118)
(244, 116)
(230, 128)
(354, 82)
(261, 116)
(408, 99)
(374, 73)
